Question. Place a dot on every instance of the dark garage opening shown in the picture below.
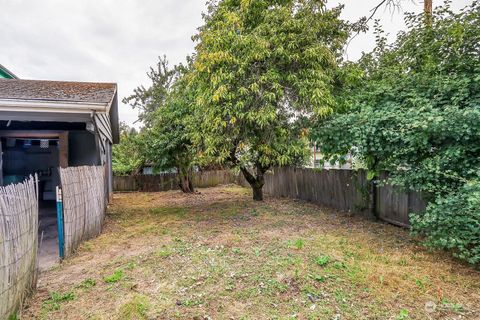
(22, 157)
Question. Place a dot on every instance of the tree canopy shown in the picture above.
(166, 110)
(262, 71)
(127, 156)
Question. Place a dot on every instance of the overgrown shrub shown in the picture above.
(415, 112)
(452, 222)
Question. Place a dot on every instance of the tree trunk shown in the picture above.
(428, 10)
(185, 180)
(255, 181)
(428, 7)
(257, 192)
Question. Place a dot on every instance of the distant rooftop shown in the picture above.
(59, 91)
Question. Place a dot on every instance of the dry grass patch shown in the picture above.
(218, 255)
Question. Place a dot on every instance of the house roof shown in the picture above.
(7, 73)
(60, 91)
(40, 100)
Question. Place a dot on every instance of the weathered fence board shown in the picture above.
(18, 244)
(169, 181)
(84, 204)
(347, 190)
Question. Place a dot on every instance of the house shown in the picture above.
(317, 160)
(49, 124)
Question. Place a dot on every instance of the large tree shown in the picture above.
(165, 109)
(169, 138)
(263, 70)
(148, 99)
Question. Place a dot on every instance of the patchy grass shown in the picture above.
(115, 277)
(219, 255)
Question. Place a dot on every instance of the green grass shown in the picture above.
(322, 260)
(135, 309)
(115, 277)
(56, 299)
(87, 284)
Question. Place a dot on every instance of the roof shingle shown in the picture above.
(62, 91)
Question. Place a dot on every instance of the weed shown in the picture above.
(271, 286)
(54, 301)
(115, 277)
(421, 283)
(87, 283)
(403, 315)
(164, 253)
(339, 265)
(191, 302)
(322, 260)
(317, 277)
(340, 296)
(298, 244)
(455, 307)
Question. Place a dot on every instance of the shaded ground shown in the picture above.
(47, 236)
(218, 255)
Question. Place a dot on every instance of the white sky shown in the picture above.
(118, 40)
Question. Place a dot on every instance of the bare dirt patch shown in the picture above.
(219, 255)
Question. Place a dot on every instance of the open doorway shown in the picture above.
(22, 157)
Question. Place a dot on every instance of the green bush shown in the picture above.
(453, 223)
(415, 112)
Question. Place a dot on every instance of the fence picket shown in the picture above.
(18, 244)
(84, 204)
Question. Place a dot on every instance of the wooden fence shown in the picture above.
(84, 204)
(347, 190)
(169, 181)
(342, 189)
(394, 206)
(18, 244)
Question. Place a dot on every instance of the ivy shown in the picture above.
(415, 112)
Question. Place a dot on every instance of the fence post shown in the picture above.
(61, 240)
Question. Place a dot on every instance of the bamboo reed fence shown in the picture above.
(18, 244)
(84, 204)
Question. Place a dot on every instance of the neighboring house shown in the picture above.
(6, 74)
(49, 124)
(316, 161)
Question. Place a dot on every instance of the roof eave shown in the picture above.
(19, 105)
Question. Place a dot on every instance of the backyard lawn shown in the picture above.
(219, 255)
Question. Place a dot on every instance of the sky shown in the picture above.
(118, 40)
